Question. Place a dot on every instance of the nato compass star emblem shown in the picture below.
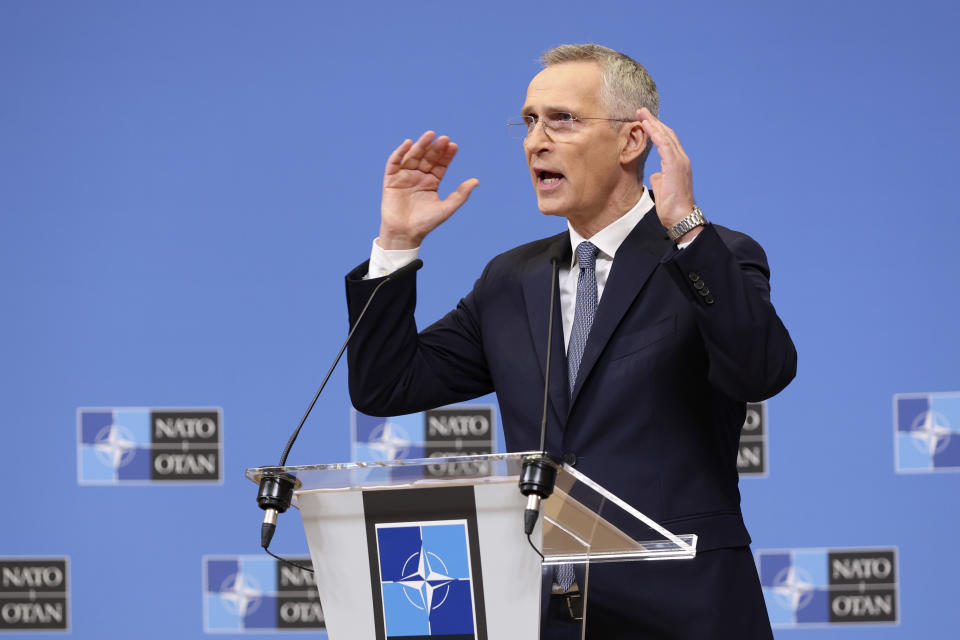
(930, 432)
(240, 594)
(390, 441)
(794, 587)
(115, 446)
(425, 578)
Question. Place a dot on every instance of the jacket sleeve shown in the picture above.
(725, 276)
(393, 369)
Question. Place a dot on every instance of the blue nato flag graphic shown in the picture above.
(425, 579)
(256, 594)
(387, 438)
(115, 446)
(239, 594)
(927, 432)
(796, 586)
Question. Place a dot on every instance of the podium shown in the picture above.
(435, 548)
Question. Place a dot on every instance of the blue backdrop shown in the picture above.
(183, 186)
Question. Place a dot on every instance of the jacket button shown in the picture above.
(570, 459)
(708, 299)
(694, 276)
(704, 292)
(698, 285)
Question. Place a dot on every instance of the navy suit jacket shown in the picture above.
(682, 339)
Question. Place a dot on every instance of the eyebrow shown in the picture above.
(529, 110)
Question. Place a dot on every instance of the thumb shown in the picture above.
(656, 179)
(454, 201)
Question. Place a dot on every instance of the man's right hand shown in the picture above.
(411, 207)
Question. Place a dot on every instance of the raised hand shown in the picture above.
(673, 185)
(411, 206)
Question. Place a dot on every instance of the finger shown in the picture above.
(434, 153)
(396, 157)
(672, 135)
(655, 126)
(668, 146)
(657, 131)
(413, 156)
(444, 161)
(456, 199)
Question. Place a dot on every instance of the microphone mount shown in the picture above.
(536, 482)
(274, 497)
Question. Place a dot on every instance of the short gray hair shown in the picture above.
(626, 84)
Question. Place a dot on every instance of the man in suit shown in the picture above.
(666, 331)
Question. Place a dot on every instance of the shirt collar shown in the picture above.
(609, 239)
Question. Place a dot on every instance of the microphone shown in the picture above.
(276, 489)
(538, 475)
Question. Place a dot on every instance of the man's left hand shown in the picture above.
(673, 186)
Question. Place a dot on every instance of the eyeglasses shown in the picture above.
(558, 124)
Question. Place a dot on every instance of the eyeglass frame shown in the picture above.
(547, 128)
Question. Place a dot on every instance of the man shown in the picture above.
(667, 330)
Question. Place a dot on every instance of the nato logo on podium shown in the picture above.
(425, 579)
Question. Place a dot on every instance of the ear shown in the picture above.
(633, 142)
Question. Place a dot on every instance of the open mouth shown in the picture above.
(549, 179)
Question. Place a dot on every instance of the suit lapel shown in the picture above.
(633, 265)
(536, 293)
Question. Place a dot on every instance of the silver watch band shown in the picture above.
(692, 221)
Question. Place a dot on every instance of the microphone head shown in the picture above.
(276, 492)
(538, 477)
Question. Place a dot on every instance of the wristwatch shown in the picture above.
(692, 221)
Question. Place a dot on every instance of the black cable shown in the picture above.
(289, 562)
(542, 559)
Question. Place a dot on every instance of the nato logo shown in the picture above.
(128, 445)
(926, 432)
(425, 580)
(34, 594)
(752, 452)
(458, 430)
(259, 594)
(387, 438)
(815, 587)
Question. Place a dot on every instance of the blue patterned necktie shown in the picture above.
(585, 310)
(583, 315)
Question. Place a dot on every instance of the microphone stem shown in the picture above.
(546, 386)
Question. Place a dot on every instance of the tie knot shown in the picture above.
(587, 255)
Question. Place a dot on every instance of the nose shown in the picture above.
(537, 138)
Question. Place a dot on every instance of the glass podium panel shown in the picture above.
(581, 521)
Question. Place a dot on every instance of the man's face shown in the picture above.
(575, 176)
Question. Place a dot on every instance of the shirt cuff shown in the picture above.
(383, 262)
(680, 245)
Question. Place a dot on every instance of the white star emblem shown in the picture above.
(425, 580)
(794, 587)
(390, 441)
(115, 446)
(931, 432)
(240, 594)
